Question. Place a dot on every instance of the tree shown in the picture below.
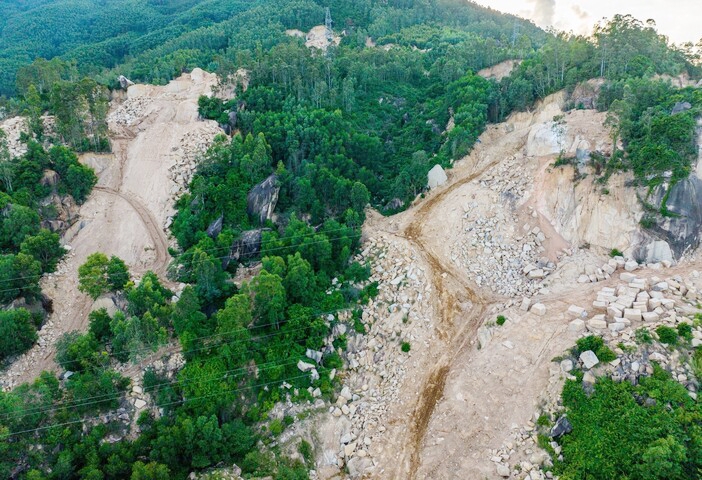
(6, 166)
(150, 471)
(80, 352)
(26, 272)
(99, 275)
(187, 317)
(33, 111)
(44, 247)
(117, 273)
(19, 223)
(208, 275)
(17, 332)
(80, 180)
(135, 336)
(232, 324)
(300, 280)
(100, 325)
(148, 296)
(268, 299)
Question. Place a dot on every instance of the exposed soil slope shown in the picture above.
(125, 214)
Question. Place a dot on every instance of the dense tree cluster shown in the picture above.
(27, 250)
(645, 432)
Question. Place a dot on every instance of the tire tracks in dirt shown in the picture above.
(453, 292)
(155, 233)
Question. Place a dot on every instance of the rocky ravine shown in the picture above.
(507, 235)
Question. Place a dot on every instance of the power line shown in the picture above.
(108, 276)
(233, 342)
(222, 334)
(108, 397)
(185, 400)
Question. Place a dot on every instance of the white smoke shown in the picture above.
(544, 12)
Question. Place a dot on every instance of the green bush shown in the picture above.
(642, 336)
(685, 331)
(501, 319)
(615, 253)
(596, 344)
(276, 427)
(405, 347)
(306, 451)
(667, 335)
(696, 362)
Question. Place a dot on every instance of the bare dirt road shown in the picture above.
(125, 214)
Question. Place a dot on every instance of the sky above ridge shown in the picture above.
(679, 20)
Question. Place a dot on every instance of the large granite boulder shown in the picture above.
(245, 247)
(215, 227)
(124, 82)
(436, 177)
(262, 199)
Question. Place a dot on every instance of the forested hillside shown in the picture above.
(335, 130)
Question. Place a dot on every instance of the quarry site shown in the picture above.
(503, 233)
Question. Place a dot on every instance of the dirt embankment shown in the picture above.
(128, 208)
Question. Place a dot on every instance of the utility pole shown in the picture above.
(328, 24)
(515, 33)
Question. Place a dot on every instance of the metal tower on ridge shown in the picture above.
(328, 24)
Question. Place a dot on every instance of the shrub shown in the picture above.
(696, 363)
(643, 336)
(276, 427)
(615, 253)
(501, 319)
(667, 335)
(358, 326)
(591, 342)
(406, 347)
(596, 344)
(305, 450)
(685, 331)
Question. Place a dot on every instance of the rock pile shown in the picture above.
(510, 263)
(400, 313)
(626, 317)
(13, 127)
(187, 156)
(48, 334)
(131, 111)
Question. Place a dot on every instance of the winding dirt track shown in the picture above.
(157, 235)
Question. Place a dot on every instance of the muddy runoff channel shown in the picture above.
(456, 298)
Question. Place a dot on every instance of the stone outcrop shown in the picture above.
(215, 228)
(50, 178)
(124, 82)
(246, 247)
(436, 177)
(262, 199)
(681, 231)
